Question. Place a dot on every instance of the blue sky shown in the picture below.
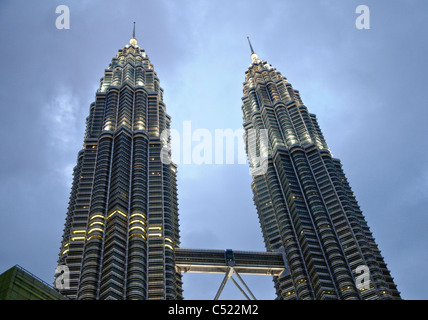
(368, 89)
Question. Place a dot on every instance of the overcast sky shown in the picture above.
(368, 89)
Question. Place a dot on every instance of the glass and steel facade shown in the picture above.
(304, 201)
(121, 227)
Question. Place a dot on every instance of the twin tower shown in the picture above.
(121, 237)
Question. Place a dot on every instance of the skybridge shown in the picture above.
(230, 262)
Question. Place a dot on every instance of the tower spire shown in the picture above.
(133, 41)
(254, 56)
(251, 47)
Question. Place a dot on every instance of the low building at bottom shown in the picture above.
(17, 283)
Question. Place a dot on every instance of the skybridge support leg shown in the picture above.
(223, 283)
(229, 275)
(246, 287)
(240, 289)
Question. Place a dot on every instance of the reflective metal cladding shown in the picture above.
(304, 201)
(122, 221)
